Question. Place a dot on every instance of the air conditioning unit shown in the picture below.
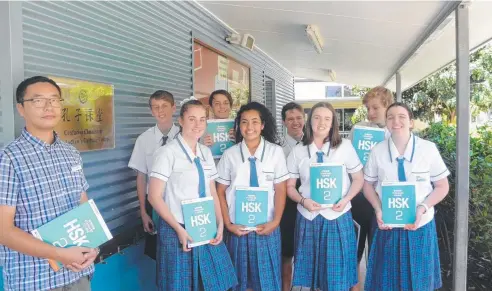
(315, 37)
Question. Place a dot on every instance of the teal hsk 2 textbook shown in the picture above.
(219, 130)
(398, 201)
(326, 180)
(364, 139)
(200, 221)
(83, 226)
(251, 206)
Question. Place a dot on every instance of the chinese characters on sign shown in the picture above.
(87, 116)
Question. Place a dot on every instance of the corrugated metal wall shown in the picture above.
(138, 47)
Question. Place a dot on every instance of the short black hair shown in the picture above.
(290, 106)
(401, 104)
(20, 93)
(161, 95)
(217, 92)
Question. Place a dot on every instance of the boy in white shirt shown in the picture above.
(162, 107)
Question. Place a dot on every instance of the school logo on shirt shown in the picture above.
(326, 183)
(398, 203)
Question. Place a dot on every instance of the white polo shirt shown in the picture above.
(172, 165)
(299, 162)
(288, 144)
(145, 146)
(233, 170)
(423, 165)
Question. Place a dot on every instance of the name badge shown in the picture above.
(76, 168)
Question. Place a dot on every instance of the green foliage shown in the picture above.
(480, 218)
(360, 114)
(437, 93)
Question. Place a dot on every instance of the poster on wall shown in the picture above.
(87, 120)
(214, 71)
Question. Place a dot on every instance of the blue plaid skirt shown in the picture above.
(404, 260)
(204, 268)
(325, 253)
(257, 259)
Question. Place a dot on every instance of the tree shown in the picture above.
(436, 95)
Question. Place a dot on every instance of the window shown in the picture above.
(333, 91)
(214, 71)
(347, 91)
(347, 119)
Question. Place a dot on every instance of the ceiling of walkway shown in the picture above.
(364, 41)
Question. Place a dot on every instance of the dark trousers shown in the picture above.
(363, 214)
(150, 240)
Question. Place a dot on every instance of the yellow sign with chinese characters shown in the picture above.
(87, 120)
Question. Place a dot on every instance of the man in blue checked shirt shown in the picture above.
(41, 178)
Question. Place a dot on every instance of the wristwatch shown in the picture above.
(425, 206)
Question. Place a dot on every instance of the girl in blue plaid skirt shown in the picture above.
(184, 170)
(405, 258)
(255, 161)
(325, 256)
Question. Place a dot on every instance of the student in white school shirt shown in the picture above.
(162, 107)
(293, 119)
(405, 258)
(184, 169)
(376, 102)
(325, 254)
(256, 160)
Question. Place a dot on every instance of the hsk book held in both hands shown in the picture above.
(398, 203)
(326, 183)
(200, 221)
(364, 139)
(82, 226)
(219, 130)
(251, 206)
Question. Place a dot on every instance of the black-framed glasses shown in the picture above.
(41, 102)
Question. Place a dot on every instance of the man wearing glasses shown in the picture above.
(41, 178)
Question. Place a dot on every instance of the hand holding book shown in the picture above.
(267, 228)
(218, 238)
(74, 258)
(237, 229)
(184, 238)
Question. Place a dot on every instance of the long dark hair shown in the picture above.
(333, 136)
(269, 131)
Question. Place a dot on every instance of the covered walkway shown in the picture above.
(139, 47)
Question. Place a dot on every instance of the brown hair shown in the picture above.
(333, 136)
(161, 95)
(381, 93)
